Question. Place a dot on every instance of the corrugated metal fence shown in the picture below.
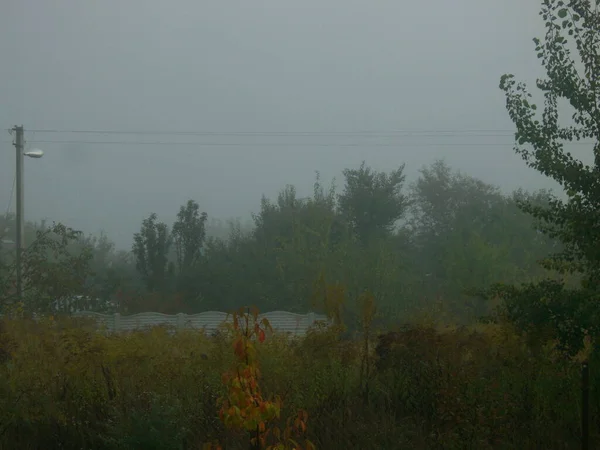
(283, 321)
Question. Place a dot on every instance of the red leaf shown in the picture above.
(238, 347)
(261, 336)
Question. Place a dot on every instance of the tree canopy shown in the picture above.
(426, 245)
(570, 56)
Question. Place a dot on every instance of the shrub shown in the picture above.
(486, 387)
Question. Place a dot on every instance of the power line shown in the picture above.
(423, 133)
(284, 144)
(378, 133)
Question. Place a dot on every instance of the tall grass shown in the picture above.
(65, 385)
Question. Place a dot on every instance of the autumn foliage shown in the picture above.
(243, 408)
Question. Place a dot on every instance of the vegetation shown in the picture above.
(566, 312)
(417, 247)
(405, 272)
(479, 387)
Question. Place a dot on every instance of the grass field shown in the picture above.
(65, 385)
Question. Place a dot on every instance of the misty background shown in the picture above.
(311, 76)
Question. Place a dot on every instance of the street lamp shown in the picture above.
(34, 153)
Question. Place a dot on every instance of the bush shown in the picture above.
(64, 384)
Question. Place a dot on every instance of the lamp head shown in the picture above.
(34, 153)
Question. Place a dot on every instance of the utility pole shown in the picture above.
(20, 150)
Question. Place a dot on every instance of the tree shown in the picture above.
(441, 198)
(294, 238)
(467, 234)
(151, 250)
(451, 217)
(372, 202)
(574, 221)
(275, 265)
(114, 272)
(51, 271)
(188, 234)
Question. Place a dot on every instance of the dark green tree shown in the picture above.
(114, 272)
(151, 251)
(51, 272)
(234, 271)
(275, 265)
(372, 202)
(189, 233)
(294, 238)
(442, 197)
(467, 234)
(540, 141)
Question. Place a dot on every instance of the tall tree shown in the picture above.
(372, 202)
(575, 221)
(151, 250)
(189, 233)
(295, 237)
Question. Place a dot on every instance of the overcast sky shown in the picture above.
(250, 66)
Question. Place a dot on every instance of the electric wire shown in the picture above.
(365, 134)
(378, 133)
(286, 144)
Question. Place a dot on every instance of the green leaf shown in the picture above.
(566, 304)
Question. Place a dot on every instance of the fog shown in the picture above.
(297, 72)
